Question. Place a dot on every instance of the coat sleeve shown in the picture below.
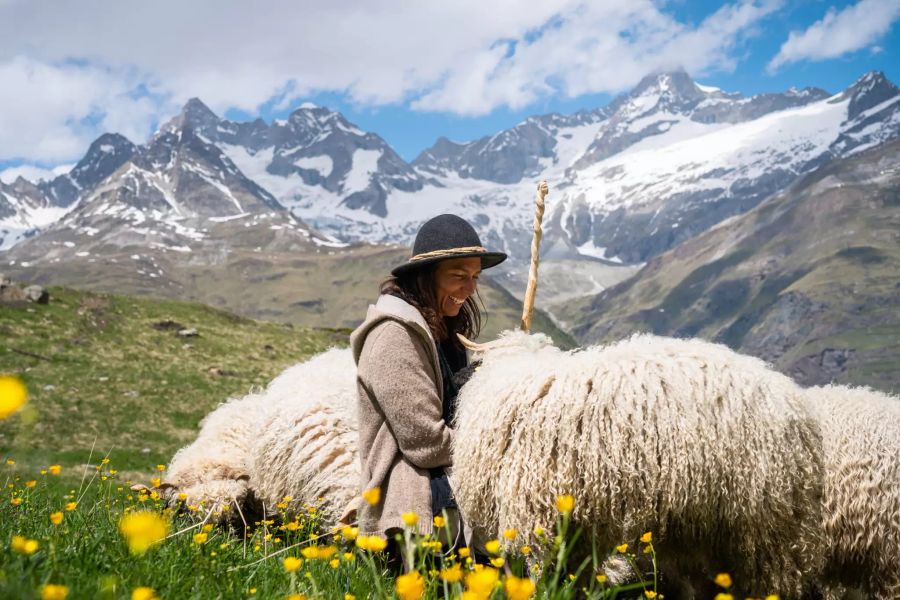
(395, 367)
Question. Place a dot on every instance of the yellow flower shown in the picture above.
(144, 593)
(296, 597)
(31, 483)
(349, 556)
(334, 563)
(10, 462)
(510, 534)
(464, 552)
(52, 591)
(410, 586)
(15, 501)
(724, 597)
(292, 563)
(350, 533)
(410, 518)
(207, 528)
(200, 538)
(318, 552)
(13, 396)
(372, 496)
(772, 597)
(155, 481)
(526, 550)
(539, 531)
(601, 578)
(481, 583)
(142, 529)
(373, 543)
(649, 594)
(349, 597)
(565, 504)
(23, 546)
(105, 461)
(518, 588)
(70, 506)
(56, 518)
(452, 574)
(160, 467)
(723, 580)
(54, 469)
(623, 548)
(492, 546)
(647, 537)
(498, 561)
(439, 521)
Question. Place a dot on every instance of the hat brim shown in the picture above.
(488, 260)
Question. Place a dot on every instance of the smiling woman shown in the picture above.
(406, 353)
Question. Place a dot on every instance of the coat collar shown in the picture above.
(394, 308)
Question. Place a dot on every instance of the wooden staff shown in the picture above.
(531, 290)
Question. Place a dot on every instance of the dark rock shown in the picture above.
(167, 325)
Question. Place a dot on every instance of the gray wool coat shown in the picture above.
(402, 433)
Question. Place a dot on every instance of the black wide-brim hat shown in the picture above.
(443, 237)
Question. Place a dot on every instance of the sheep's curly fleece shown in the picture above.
(295, 438)
(711, 450)
(861, 435)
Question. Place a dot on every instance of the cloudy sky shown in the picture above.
(409, 71)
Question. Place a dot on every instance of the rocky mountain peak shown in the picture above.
(868, 91)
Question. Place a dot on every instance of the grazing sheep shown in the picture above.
(296, 438)
(712, 451)
(861, 437)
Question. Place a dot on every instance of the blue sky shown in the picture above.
(410, 73)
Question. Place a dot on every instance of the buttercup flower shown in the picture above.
(723, 580)
(481, 583)
(31, 483)
(373, 543)
(647, 537)
(13, 395)
(439, 521)
(452, 574)
(565, 504)
(200, 538)
(70, 506)
(56, 518)
(518, 588)
(372, 496)
(510, 534)
(53, 591)
(144, 593)
(410, 586)
(410, 518)
(292, 563)
(23, 546)
(142, 529)
(492, 546)
(54, 469)
(318, 552)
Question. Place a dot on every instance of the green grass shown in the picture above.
(101, 376)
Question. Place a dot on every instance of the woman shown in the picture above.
(406, 351)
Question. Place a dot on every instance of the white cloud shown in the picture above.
(839, 32)
(33, 173)
(464, 56)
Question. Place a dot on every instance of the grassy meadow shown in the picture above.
(113, 391)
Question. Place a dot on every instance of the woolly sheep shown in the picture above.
(712, 451)
(861, 437)
(296, 438)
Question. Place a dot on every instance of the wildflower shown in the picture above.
(526, 550)
(53, 591)
(334, 563)
(601, 578)
(650, 594)
(252, 591)
(23, 546)
(410, 518)
(510, 534)
(155, 481)
(105, 461)
(565, 504)
(452, 574)
(112, 471)
(772, 597)
(373, 543)
(518, 588)
(160, 467)
(492, 546)
(10, 462)
(350, 533)
(724, 597)
(439, 521)
(481, 583)
(15, 501)
(464, 552)
(54, 469)
(498, 561)
(349, 597)
(539, 531)
(372, 496)
(200, 538)
(292, 526)
(13, 396)
(70, 506)
(144, 593)
(723, 580)
(410, 586)
(207, 528)
(647, 537)
(623, 548)
(292, 563)
(296, 597)
(182, 496)
(56, 518)
(349, 557)
(318, 552)
(142, 529)
(31, 483)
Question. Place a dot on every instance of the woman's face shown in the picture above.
(455, 280)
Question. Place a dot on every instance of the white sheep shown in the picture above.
(295, 438)
(711, 450)
(861, 520)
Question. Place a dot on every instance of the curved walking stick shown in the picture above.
(531, 290)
